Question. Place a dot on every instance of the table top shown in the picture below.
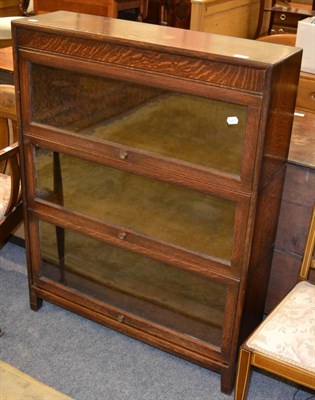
(302, 147)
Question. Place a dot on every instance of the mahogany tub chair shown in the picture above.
(10, 184)
(284, 343)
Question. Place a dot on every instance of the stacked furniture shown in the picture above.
(153, 162)
(283, 16)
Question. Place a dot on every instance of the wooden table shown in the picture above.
(6, 65)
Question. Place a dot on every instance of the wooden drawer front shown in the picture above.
(296, 206)
(283, 265)
(295, 214)
(144, 212)
(185, 134)
(286, 19)
(278, 29)
(306, 92)
(299, 185)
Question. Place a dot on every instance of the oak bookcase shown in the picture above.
(153, 161)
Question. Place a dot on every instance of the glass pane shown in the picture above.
(160, 293)
(190, 128)
(184, 217)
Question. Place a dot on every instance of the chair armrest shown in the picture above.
(9, 152)
(10, 155)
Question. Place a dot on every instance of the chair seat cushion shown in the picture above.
(5, 27)
(5, 189)
(288, 333)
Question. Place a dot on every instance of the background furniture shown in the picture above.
(284, 343)
(168, 232)
(174, 13)
(295, 212)
(282, 16)
(10, 195)
(234, 18)
(107, 8)
(6, 65)
(306, 90)
(299, 188)
(9, 11)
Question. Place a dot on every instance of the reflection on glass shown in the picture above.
(174, 214)
(187, 127)
(180, 300)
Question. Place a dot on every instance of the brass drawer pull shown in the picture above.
(122, 235)
(120, 318)
(312, 96)
(283, 17)
(123, 154)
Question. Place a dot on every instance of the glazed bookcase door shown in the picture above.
(142, 124)
(136, 291)
(192, 225)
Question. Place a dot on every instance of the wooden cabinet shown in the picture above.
(106, 8)
(225, 17)
(282, 17)
(9, 8)
(153, 164)
(296, 209)
(95, 7)
(285, 19)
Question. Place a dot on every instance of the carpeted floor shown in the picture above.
(87, 361)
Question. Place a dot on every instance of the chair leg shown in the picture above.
(243, 374)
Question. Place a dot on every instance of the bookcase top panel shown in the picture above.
(155, 37)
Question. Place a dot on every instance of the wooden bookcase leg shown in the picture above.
(35, 301)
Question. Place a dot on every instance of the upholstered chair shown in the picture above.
(284, 343)
(10, 183)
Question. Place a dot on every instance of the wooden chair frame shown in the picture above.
(249, 357)
(9, 161)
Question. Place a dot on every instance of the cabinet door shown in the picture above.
(190, 225)
(135, 290)
(155, 126)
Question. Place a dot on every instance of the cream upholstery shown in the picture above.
(5, 191)
(10, 184)
(288, 334)
(5, 27)
(284, 343)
